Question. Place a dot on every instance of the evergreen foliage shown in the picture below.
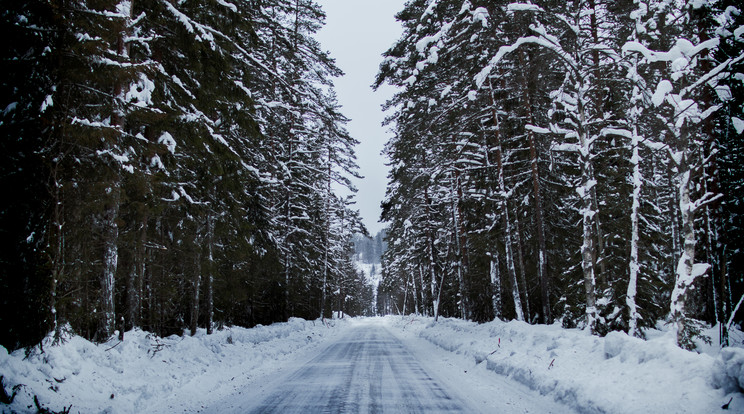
(170, 166)
(562, 160)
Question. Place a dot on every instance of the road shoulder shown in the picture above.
(484, 390)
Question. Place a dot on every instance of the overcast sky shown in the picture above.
(357, 32)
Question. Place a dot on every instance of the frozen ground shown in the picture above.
(615, 374)
(383, 363)
(372, 370)
(147, 374)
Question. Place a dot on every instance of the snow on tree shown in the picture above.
(560, 110)
(172, 135)
(684, 95)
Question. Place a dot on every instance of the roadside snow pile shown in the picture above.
(614, 374)
(145, 373)
(733, 363)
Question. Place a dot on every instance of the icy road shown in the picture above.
(370, 370)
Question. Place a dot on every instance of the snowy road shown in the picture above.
(369, 370)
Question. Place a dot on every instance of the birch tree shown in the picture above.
(683, 97)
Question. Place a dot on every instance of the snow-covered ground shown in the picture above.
(494, 366)
(147, 374)
(374, 368)
(615, 374)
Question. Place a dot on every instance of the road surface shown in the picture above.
(369, 370)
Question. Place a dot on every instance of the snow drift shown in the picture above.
(614, 374)
(145, 373)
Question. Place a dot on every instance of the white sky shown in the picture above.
(357, 32)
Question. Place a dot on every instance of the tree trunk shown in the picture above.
(456, 219)
(588, 215)
(521, 268)
(432, 262)
(599, 98)
(415, 294)
(542, 251)
(113, 191)
(634, 266)
(136, 276)
(405, 295)
(424, 310)
(110, 262)
(56, 236)
(686, 263)
(327, 245)
(288, 306)
(504, 201)
(196, 285)
(210, 275)
(495, 287)
(687, 269)
(674, 219)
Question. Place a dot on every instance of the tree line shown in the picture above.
(369, 250)
(170, 165)
(572, 161)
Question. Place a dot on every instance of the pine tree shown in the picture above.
(727, 260)
(512, 112)
(28, 209)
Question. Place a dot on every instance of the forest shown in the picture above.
(575, 162)
(171, 165)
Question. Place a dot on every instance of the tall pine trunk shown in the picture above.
(431, 253)
(196, 286)
(504, 201)
(598, 102)
(424, 309)
(415, 294)
(495, 286)
(459, 245)
(588, 216)
(210, 274)
(327, 230)
(136, 276)
(110, 261)
(57, 237)
(542, 251)
(521, 269)
(113, 191)
(634, 264)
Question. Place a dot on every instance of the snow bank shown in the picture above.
(145, 373)
(732, 363)
(615, 374)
